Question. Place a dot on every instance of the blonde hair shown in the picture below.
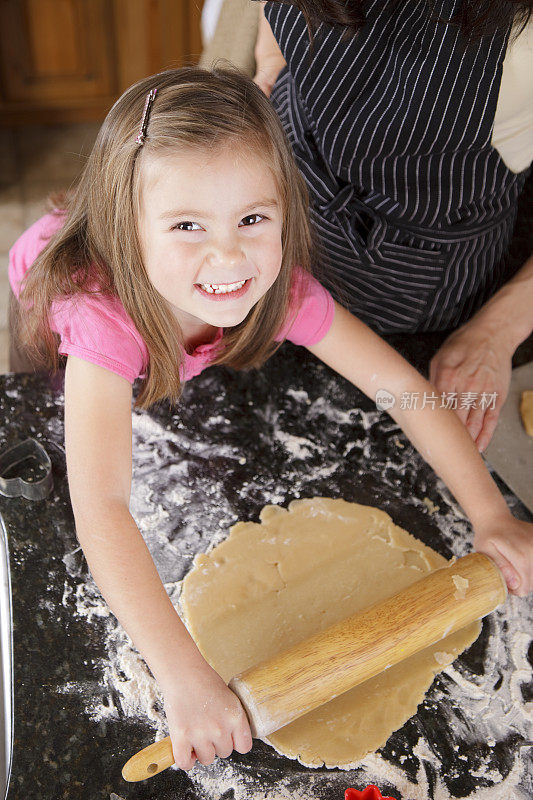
(97, 250)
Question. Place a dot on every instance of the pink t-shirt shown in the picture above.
(98, 329)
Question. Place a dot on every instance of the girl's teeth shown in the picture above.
(222, 288)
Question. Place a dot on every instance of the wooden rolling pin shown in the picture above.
(318, 669)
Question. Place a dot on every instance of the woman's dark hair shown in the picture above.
(476, 18)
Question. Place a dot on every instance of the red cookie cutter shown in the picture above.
(370, 793)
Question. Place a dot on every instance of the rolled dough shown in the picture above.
(298, 571)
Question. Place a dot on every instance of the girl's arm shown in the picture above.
(361, 356)
(205, 718)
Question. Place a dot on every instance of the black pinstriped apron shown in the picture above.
(392, 130)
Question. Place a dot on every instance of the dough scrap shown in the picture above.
(526, 411)
(461, 586)
(298, 571)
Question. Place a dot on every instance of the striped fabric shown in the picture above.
(413, 207)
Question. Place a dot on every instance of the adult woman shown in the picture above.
(414, 164)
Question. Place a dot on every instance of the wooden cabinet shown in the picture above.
(68, 60)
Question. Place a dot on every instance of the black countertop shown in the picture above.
(60, 751)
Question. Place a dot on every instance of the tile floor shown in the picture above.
(34, 161)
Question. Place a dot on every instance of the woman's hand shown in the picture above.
(267, 72)
(269, 60)
(476, 358)
(205, 718)
(509, 543)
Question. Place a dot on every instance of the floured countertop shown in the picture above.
(84, 702)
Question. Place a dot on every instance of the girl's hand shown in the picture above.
(509, 543)
(205, 718)
(477, 359)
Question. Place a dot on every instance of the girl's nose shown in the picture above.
(226, 252)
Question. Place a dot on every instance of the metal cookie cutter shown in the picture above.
(19, 487)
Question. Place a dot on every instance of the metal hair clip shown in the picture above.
(150, 97)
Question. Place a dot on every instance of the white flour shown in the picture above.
(180, 512)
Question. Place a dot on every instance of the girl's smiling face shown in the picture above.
(210, 230)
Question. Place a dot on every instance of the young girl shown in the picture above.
(186, 243)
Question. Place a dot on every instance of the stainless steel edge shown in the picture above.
(6, 663)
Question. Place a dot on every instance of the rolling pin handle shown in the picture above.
(149, 761)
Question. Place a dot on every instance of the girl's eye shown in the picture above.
(253, 218)
(186, 226)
